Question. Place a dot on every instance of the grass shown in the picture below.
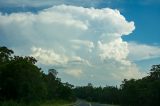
(57, 103)
(46, 103)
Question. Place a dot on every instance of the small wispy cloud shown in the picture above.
(74, 72)
(140, 52)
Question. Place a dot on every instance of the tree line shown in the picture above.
(22, 81)
(133, 92)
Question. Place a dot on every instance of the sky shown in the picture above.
(87, 41)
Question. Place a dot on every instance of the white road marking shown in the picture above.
(89, 104)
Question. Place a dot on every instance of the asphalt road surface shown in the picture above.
(85, 103)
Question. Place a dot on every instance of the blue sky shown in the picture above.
(97, 41)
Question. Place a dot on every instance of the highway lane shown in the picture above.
(85, 103)
(82, 103)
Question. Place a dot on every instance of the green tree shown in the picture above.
(20, 78)
(5, 54)
(155, 72)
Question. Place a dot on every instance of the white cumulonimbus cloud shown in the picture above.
(75, 38)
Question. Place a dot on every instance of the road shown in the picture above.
(85, 103)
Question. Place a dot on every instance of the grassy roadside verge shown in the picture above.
(46, 103)
(57, 103)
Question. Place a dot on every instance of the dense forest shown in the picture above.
(140, 92)
(22, 81)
